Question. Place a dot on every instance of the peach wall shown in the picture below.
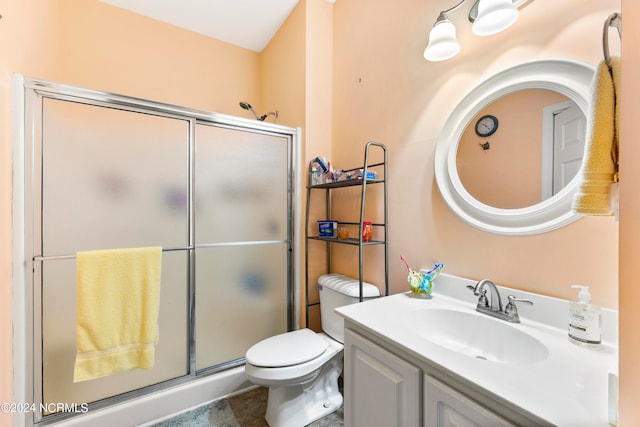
(319, 43)
(384, 90)
(318, 120)
(282, 70)
(629, 224)
(23, 49)
(103, 47)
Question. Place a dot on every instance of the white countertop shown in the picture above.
(568, 388)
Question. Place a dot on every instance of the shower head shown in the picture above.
(270, 113)
(247, 106)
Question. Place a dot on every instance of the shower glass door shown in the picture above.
(110, 179)
(105, 171)
(242, 240)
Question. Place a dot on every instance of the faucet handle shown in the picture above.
(511, 310)
(482, 298)
(512, 299)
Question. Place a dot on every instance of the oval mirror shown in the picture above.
(476, 182)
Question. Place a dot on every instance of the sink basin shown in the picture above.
(477, 335)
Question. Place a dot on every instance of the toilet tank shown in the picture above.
(337, 290)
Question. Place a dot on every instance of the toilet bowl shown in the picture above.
(302, 367)
(303, 392)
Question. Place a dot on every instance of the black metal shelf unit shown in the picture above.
(363, 183)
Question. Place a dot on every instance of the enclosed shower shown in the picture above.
(105, 171)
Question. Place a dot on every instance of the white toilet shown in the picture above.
(301, 368)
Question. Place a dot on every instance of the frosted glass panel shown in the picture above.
(241, 185)
(112, 178)
(241, 298)
(59, 334)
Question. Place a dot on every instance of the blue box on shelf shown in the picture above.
(328, 228)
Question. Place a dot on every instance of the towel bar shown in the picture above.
(55, 257)
(613, 20)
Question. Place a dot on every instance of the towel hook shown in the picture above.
(614, 20)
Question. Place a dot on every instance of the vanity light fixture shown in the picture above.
(487, 16)
(443, 44)
(494, 16)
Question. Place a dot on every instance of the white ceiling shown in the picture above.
(246, 23)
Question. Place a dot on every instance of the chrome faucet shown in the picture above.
(496, 301)
(494, 308)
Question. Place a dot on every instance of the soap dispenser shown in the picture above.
(585, 320)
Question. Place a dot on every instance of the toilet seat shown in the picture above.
(292, 374)
(287, 349)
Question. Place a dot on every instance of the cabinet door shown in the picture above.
(446, 407)
(381, 390)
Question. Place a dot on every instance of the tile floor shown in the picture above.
(244, 410)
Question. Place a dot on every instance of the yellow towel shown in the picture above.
(598, 168)
(615, 73)
(117, 303)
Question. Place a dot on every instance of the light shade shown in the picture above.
(442, 42)
(494, 16)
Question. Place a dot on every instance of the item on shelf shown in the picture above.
(359, 173)
(327, 228)
(332, 175)
(318, 171)
(322, 162)
(343, 233)
(367, 231)
(322, 172)
(314, 176)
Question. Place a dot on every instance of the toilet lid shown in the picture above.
(290, 348)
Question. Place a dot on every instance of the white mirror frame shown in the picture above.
(568, 77)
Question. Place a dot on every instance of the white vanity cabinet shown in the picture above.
(380, 388)
(444, 406)
(423, 362)
(385, 387)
